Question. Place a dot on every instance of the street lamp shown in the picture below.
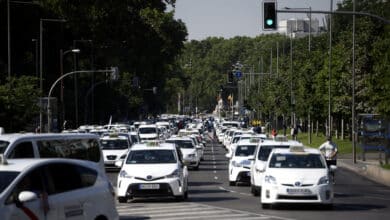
(62, 54)
(41, 63)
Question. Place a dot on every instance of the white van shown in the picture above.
(61, 145)
(148, 132)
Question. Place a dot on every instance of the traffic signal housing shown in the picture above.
(269, 15)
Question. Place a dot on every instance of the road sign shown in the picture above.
(238, 74)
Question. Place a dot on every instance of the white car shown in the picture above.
(55, 189)
(188, 149)
(239, 164)
(114, 148)
(152, 170)
(296, 175)
(149, 132)
(260, 159)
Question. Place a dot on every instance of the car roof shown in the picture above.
(289, 151)
(153, 146)
(247, 142)
(179, 138)
(270, 142)
(19, 165)
(119, 137)
(16, 136)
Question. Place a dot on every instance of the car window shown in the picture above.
(114, 144)
(147, 130)
(83, 149)
(6, 177)
(22, 150)
(306, 161)
(264, 151)
(244, 151)
(65, 177)
(182, 144)
(151, 156)
(32, 181)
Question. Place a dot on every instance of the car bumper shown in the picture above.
(321, 194)
(240, 174)
(132, 187)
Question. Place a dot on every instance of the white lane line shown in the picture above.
(223, 189)
(216, 177)
(215, 171)
(245, 194)
(215, 167)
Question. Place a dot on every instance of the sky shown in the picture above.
(230, 18)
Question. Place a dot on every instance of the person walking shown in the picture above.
(329, 149)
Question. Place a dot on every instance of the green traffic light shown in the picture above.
(269, 22)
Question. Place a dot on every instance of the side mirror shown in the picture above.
(260, 167)
(119, 163)
(228, 155)
(27, 196)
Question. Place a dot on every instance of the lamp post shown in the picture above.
(114, 75)
(41, 63)
(62, 54)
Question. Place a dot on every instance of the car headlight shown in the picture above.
(236, 164)
(270, 179)
(124, 174)
(323, 180)
(123, 156)
(191, 155)
(174, 174)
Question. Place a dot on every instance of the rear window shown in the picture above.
(150, 130)
(266, 150)
(82, 149)
(244, 151)
(116, 144)
(302, 161)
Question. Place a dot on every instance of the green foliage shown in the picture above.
(18, 102)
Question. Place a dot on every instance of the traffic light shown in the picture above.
(269, 15)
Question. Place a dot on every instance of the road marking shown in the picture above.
(215, 167)
(216, 177)
(184, 211)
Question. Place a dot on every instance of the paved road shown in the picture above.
(210, 197)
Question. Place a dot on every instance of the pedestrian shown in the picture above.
(274, 133)
(292, 133)
(329, 149)
(38, 129)
(284, 129)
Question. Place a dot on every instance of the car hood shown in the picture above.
(145, 170)
(115, 152)
(186, 151)
(291, 176)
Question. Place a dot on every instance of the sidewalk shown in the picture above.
(370, 168)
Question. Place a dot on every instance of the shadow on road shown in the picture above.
(192, 183)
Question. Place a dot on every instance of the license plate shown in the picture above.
(299, 191)
(149, 186)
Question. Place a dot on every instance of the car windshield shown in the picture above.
(149, 130)
(306, 161)
(266, 150)
(244, 151)
(114, 144)
(6, 178)
(182, 144)
(3, 146)
(151, 157)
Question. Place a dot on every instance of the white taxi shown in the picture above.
(239, 164)
(152, 170)
(296, 175)
(190, 152)
(261, 156)
(114, 148)
(55, 189)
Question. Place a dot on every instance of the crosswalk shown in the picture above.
(183, 211)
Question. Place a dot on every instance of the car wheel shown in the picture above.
(232, 183)
(122, 199)
(254, 191)
(266, 206)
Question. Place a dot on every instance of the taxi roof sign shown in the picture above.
(295, 148)
(3, 161)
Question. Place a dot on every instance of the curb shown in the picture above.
(371, 171)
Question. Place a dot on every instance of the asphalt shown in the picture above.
(370, 168)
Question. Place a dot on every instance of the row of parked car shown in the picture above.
(278, 169)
